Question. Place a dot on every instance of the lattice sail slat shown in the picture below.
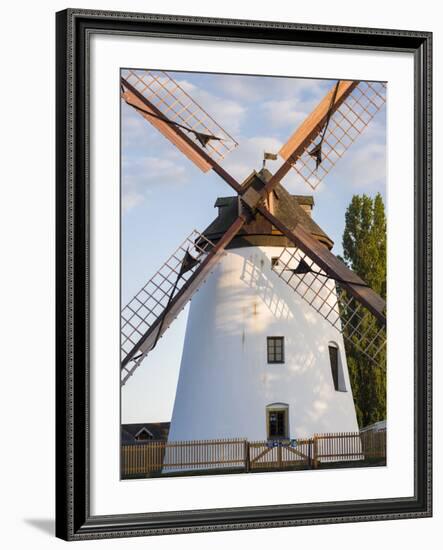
(150, 302)
(333, 302)
(175, 104)
(345, 125)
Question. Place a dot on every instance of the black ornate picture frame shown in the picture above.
(74, 30)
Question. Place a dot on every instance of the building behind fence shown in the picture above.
(162, 458)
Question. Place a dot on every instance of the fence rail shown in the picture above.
(333, 447)
(205, 454)
(156, 457)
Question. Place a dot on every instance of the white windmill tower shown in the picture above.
(264, 354)
(257, 361)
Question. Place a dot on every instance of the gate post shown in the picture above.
(247, 457)
(315, 445)
(310, 444)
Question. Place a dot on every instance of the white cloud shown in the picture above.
(239, 87)
(279, 106)
(130, 199)
(141, 175)
(255, 88)
(296, 185)
(138, 136)
(296, 100)
(301, 87)
(365, 166)
(229, 114)
(291, 111)
(155, 168)
(285, 112)
(362, 167)
(249, 156)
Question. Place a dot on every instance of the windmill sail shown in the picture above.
(331, 265)
(167, 106)
(345, 124)
(348, 108)
(157, 304)
(330, 298)
(149, 305)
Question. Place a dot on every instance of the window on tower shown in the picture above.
(276, 349)
(336, 367)
(277, 421)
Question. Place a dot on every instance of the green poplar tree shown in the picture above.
(364, 248)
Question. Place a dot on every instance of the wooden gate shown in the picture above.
(272, 455)
(160, 457)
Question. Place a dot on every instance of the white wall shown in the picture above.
(225, 382)
(27, 280)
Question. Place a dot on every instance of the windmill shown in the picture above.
(275, 261)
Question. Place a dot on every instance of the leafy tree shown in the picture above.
(364, 247)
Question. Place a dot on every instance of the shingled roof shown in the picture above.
(158, 430)
(288, 208)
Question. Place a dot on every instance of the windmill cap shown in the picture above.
(290, 209)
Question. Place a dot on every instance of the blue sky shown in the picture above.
(165, 197)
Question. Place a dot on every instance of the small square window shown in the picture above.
(274, 261)
(276, 349)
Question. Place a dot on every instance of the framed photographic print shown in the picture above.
(243, 274)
